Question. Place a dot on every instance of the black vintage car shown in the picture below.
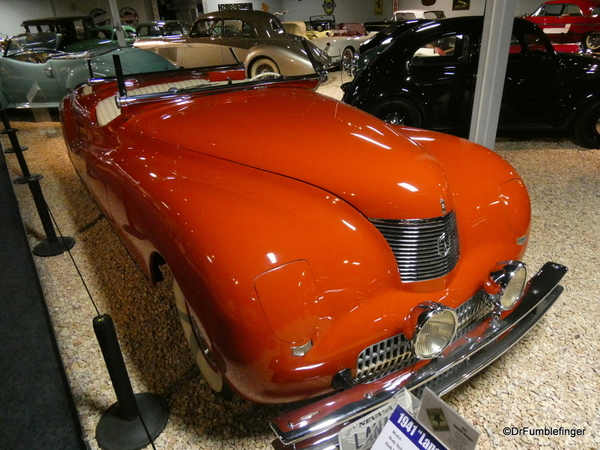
(425, 77)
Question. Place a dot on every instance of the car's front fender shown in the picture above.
(266, 262)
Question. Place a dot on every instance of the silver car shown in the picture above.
(255, 38)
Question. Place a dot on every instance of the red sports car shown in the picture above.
(570, 21)
(384, 258)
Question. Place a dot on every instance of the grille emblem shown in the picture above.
(443, 245)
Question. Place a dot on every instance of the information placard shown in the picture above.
(447, 425)
(407, 423)
(362, 434)
(403, 432)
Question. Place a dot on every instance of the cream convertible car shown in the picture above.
(255, 38)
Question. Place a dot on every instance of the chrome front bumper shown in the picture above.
(316, 426)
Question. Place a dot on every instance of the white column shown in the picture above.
(493, 58)
(114, 12)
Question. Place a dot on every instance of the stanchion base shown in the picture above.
(114, 433)
(12, 150)
(46, 248)
(31, 178)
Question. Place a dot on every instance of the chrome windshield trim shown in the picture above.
(474, 351)
(174, 93)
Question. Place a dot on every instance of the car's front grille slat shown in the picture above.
(395, 353)
(383, 357)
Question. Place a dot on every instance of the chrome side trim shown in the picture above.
(315, 426)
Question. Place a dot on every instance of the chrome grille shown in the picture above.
(473, 311)
(395, 353)
(384, 357)
(425, 249)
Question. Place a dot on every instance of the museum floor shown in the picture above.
(548, 380)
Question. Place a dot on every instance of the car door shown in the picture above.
(443, 68)
(203, 47)
(29, 79)
(531, 89)
(239, 37)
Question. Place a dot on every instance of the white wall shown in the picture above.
(477, 7)
(13, 12)
(345, 10)
(271, 6)
(364, 10)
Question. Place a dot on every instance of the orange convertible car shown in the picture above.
(384, 258)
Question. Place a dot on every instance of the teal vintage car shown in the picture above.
(101, 36)
(36, 71)
(158, 29)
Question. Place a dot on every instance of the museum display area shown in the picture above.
(548, 380)
(316, 260)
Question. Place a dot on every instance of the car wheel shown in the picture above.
(587, 127)
(200, 347)
(592, 42)
(347, 57)
(398, 112)
(263, 65)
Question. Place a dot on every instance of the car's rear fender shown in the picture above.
(571, 112)
(290, 60)
(372, 97)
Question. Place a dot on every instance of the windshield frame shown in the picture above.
(33, 43)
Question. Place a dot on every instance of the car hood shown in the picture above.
(311, 138)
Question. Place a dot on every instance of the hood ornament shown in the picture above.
(443, 205)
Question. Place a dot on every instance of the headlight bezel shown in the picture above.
(506, 284)
(424, 315)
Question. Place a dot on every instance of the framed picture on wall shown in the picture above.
(234, 6)
(378, 7)
(461, 5)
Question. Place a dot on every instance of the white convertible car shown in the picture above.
(340, 43)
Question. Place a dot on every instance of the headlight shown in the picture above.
(435, 329)
(506, 283)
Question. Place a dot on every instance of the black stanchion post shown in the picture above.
(14, 141)
(52, 245)
(135, 420)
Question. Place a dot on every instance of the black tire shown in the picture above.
(587, 127)
(200, 347)
(398, 112)
(592, 42)
(262, 65)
